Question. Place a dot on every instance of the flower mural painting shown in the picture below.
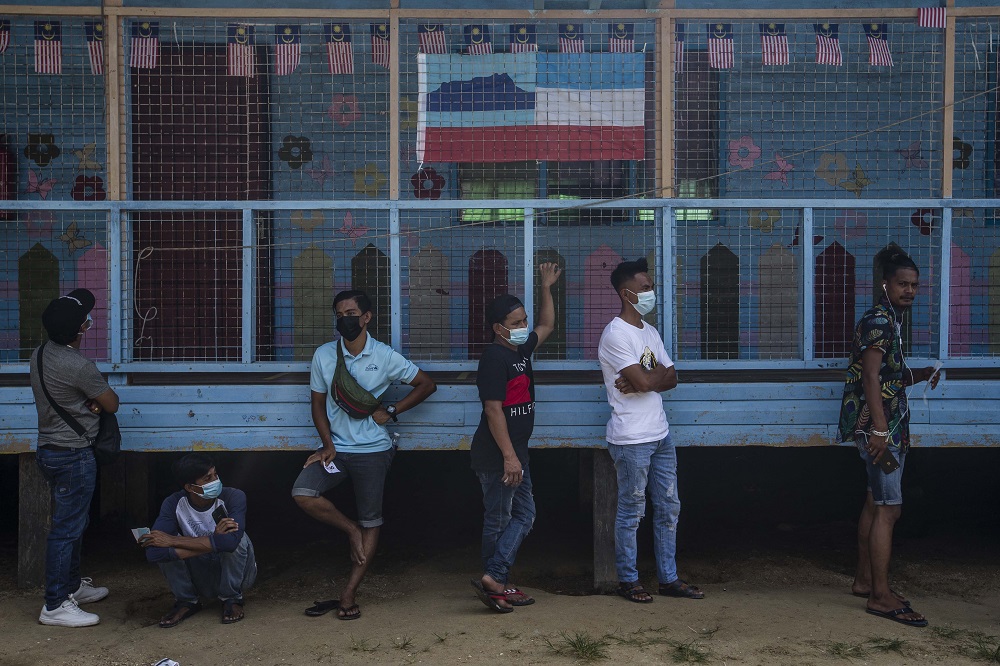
(344, 109)
(763, 219)
(743, 152)
(41, 149)
(295, 151)
(369, 180)
(427, 183)
(784, 167)
(307, 220)
(925, 219)
(832, 168)
(88, 188)
(962, 154)
(408, 114)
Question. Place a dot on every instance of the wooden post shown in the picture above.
(112, 492)
(605, 508)
(33, 517)
(138, 490)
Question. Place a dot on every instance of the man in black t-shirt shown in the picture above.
(500, 445)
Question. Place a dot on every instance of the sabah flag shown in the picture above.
(531, 106)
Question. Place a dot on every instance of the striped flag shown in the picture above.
(774, 43)
(678, 47)
(145, 50)
(48, 47)
(828, 44)
(287, 49)
(477, 40)
(878, 45)
(432, 38)
(4, 34)
(95, 45)
(720, 45)
(570, 38)
(932, 17)
(621, 38)
(240, 50)
(380, 44)
(523, 38)
(339, 52)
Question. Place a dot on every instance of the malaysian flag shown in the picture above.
(240, 50)
(380, 44)
(523, 38)
(878, 45)
(774, 43)
(570, 39)
(932, 17)
(432, 38)
(828, 44)
(95, 45)
(678, 47)
(339, 52)
(720, 45)
(48, 47)
(621, 38)
(477, 40)
(4, 35)
(287, 48)
(145, 51)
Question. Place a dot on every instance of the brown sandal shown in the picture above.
(634, 592)
(171, 619)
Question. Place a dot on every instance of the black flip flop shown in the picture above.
(894, 616)
(227, 611)
(491, 599)
(322, 607)
(192, 609)
(681, 589)
(634, 592)
(905, 602)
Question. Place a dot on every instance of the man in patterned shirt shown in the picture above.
(875, 415)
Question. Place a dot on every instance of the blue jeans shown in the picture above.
(222, 575)
(652, 465)
(72, 476)
(509, 513)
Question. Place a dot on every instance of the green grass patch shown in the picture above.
(580, 646)
(689, 652)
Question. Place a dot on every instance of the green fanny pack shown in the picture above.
(349, 395)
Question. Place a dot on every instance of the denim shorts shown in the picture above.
(366, 470)
(886, 489)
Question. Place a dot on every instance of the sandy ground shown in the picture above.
(762, 607)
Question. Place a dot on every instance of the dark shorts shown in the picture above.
(366, 470)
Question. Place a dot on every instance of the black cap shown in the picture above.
(500, 307)
(64, 316)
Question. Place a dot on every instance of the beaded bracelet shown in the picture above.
(879, 433)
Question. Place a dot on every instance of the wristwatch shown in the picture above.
(391, 410)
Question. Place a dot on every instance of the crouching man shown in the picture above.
(200, 543)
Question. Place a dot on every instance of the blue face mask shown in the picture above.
(211, 491)
(518, 336)
(647, 301)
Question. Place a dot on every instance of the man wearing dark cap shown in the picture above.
(65, 458)
(500, 445)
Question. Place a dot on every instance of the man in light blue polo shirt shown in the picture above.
(354, 447)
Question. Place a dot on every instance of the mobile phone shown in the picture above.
(220, 513)
(888, 463)
(139, 532)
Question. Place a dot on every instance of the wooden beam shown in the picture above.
(139, 500)
(111, 503)
(395, 102)
(34, 513)
(605, 508)
(665, 111)
(113, 111)
(948, 114)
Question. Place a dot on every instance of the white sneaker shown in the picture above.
(88, 593)
(69, 614)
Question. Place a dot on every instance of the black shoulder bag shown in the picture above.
(108, 443)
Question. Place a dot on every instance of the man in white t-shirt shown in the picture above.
(636, 368)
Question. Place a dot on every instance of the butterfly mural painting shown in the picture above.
(857, 182)
(86, 159)
(74, 241)
(781, 174)
(912, 156)
(324, 173)
(349, 229)
(40, 185)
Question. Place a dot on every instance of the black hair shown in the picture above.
(500, 307)
(626, 271)
(356, 295)
(893, 259)
(191, 467)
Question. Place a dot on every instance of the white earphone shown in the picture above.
(899, 336)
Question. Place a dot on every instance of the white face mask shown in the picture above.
(647, 301)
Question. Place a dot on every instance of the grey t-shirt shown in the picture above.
(71, 379)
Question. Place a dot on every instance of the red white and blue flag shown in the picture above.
(145, 49)
(621, 38)
(774, 43)
(240, 50)
(531, 106)
(287, 49)
(720, 45)
(339, 52)
(878, 44)
(95, 45)
(571, 39)
(48, 47)
(4, 34)
(828, 44)
(523, 38)
(432, 38)
(678, 47)
(932, 17)
(477, 40)
(380, 44)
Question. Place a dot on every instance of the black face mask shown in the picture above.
(349, 327)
